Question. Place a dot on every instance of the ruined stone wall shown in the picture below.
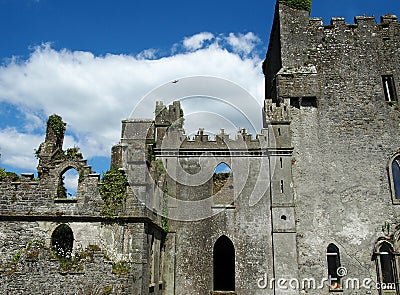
(28, 264)
(39, 196)
(118, 254)
(245, 222)
(197, 218)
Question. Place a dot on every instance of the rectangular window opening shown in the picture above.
(389, 88)
(309, 102)
(295, 102)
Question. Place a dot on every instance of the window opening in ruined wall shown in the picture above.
(386, 269)
(394, 178)
(333, 259)
(62, 241)
(220, 177)
(222, 186)
(68, 184)
(152, 262)
(224, 265)
(389, 88)
(161, 264)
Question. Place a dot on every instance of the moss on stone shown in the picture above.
(120, 268)
(298, 4)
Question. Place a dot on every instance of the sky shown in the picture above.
(92, 62)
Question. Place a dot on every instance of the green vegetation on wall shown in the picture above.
(8, 175)
(219, 180)
(113, 192)
(30, 251)
(73, 153)
(121, 268)
(298, 4)
(164, 217)
(56, 123)
(69, 154)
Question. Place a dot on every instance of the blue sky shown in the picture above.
(92, 61)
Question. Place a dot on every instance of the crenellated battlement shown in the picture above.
(276, 112)
(360, 22)
(176, 139)
(165, 116)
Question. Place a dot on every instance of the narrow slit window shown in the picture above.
(386, 260)
(333, 259)
(389, 88)
(282, 186)
(396, 177)
(386, 267)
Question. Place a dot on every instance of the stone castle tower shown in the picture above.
(310, 205)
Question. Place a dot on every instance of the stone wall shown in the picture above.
(118, 255)
(343, 139)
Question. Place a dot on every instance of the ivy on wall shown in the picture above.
(8, 175)
(56, 123)
(298, 4)
(164, 217)
(113, 192)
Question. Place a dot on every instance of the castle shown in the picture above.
(308, 208)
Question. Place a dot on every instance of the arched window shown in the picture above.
(394, 178)
(62, 241)
(333, 259)
(223, 190)
(68, 184)
(386, 267)
(224, 265)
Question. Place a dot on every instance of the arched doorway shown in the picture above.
(62, 241)
(224, 265)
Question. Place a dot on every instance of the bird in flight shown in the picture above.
(175, 81)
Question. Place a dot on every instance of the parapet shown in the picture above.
(359, 22)
(175, 141)
(276, 112)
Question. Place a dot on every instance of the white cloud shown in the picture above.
(17, 148)
(148, 54)
(197, 41)
(94, 93)
(243, 43)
